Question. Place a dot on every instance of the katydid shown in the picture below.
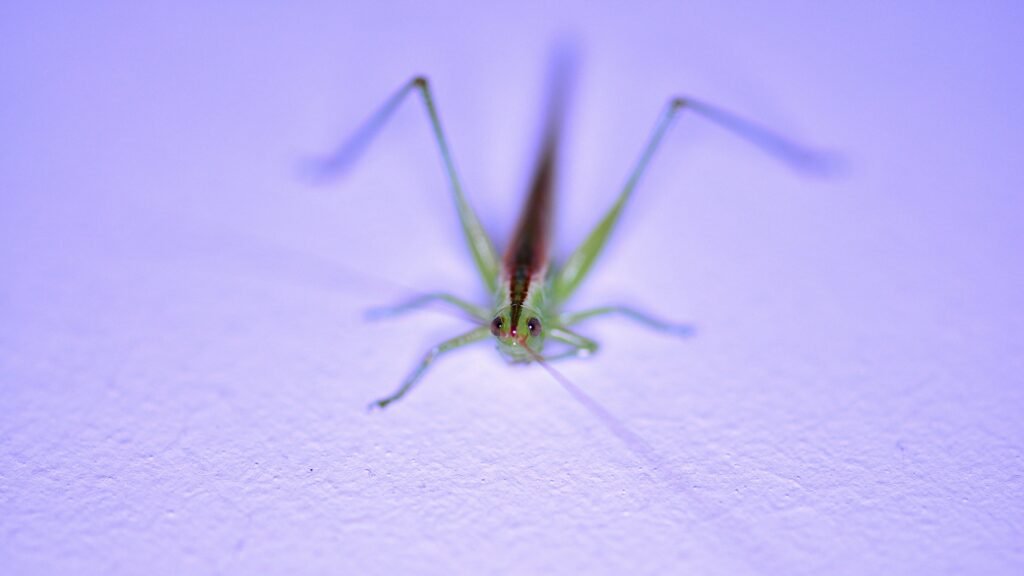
(528, 293)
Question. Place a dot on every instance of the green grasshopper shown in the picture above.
(528, 293)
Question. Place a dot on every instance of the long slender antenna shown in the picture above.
(635, 443)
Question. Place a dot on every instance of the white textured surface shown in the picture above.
(183, 364)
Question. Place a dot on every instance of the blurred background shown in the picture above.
(184, 362)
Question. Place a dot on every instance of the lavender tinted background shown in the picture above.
(184, 367)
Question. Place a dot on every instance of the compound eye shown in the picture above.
(534, 325)
(496, 326)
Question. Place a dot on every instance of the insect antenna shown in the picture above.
(633, 442)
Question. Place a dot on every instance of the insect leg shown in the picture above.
(480, 245)
(579, 345)
(578, 265)
(476, 312)
(470, 337)
(682, 330)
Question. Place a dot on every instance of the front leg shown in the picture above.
(579, 346)
(417, 302)
(681, 330)
(470, 337)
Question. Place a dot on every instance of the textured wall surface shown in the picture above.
(184, 362)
